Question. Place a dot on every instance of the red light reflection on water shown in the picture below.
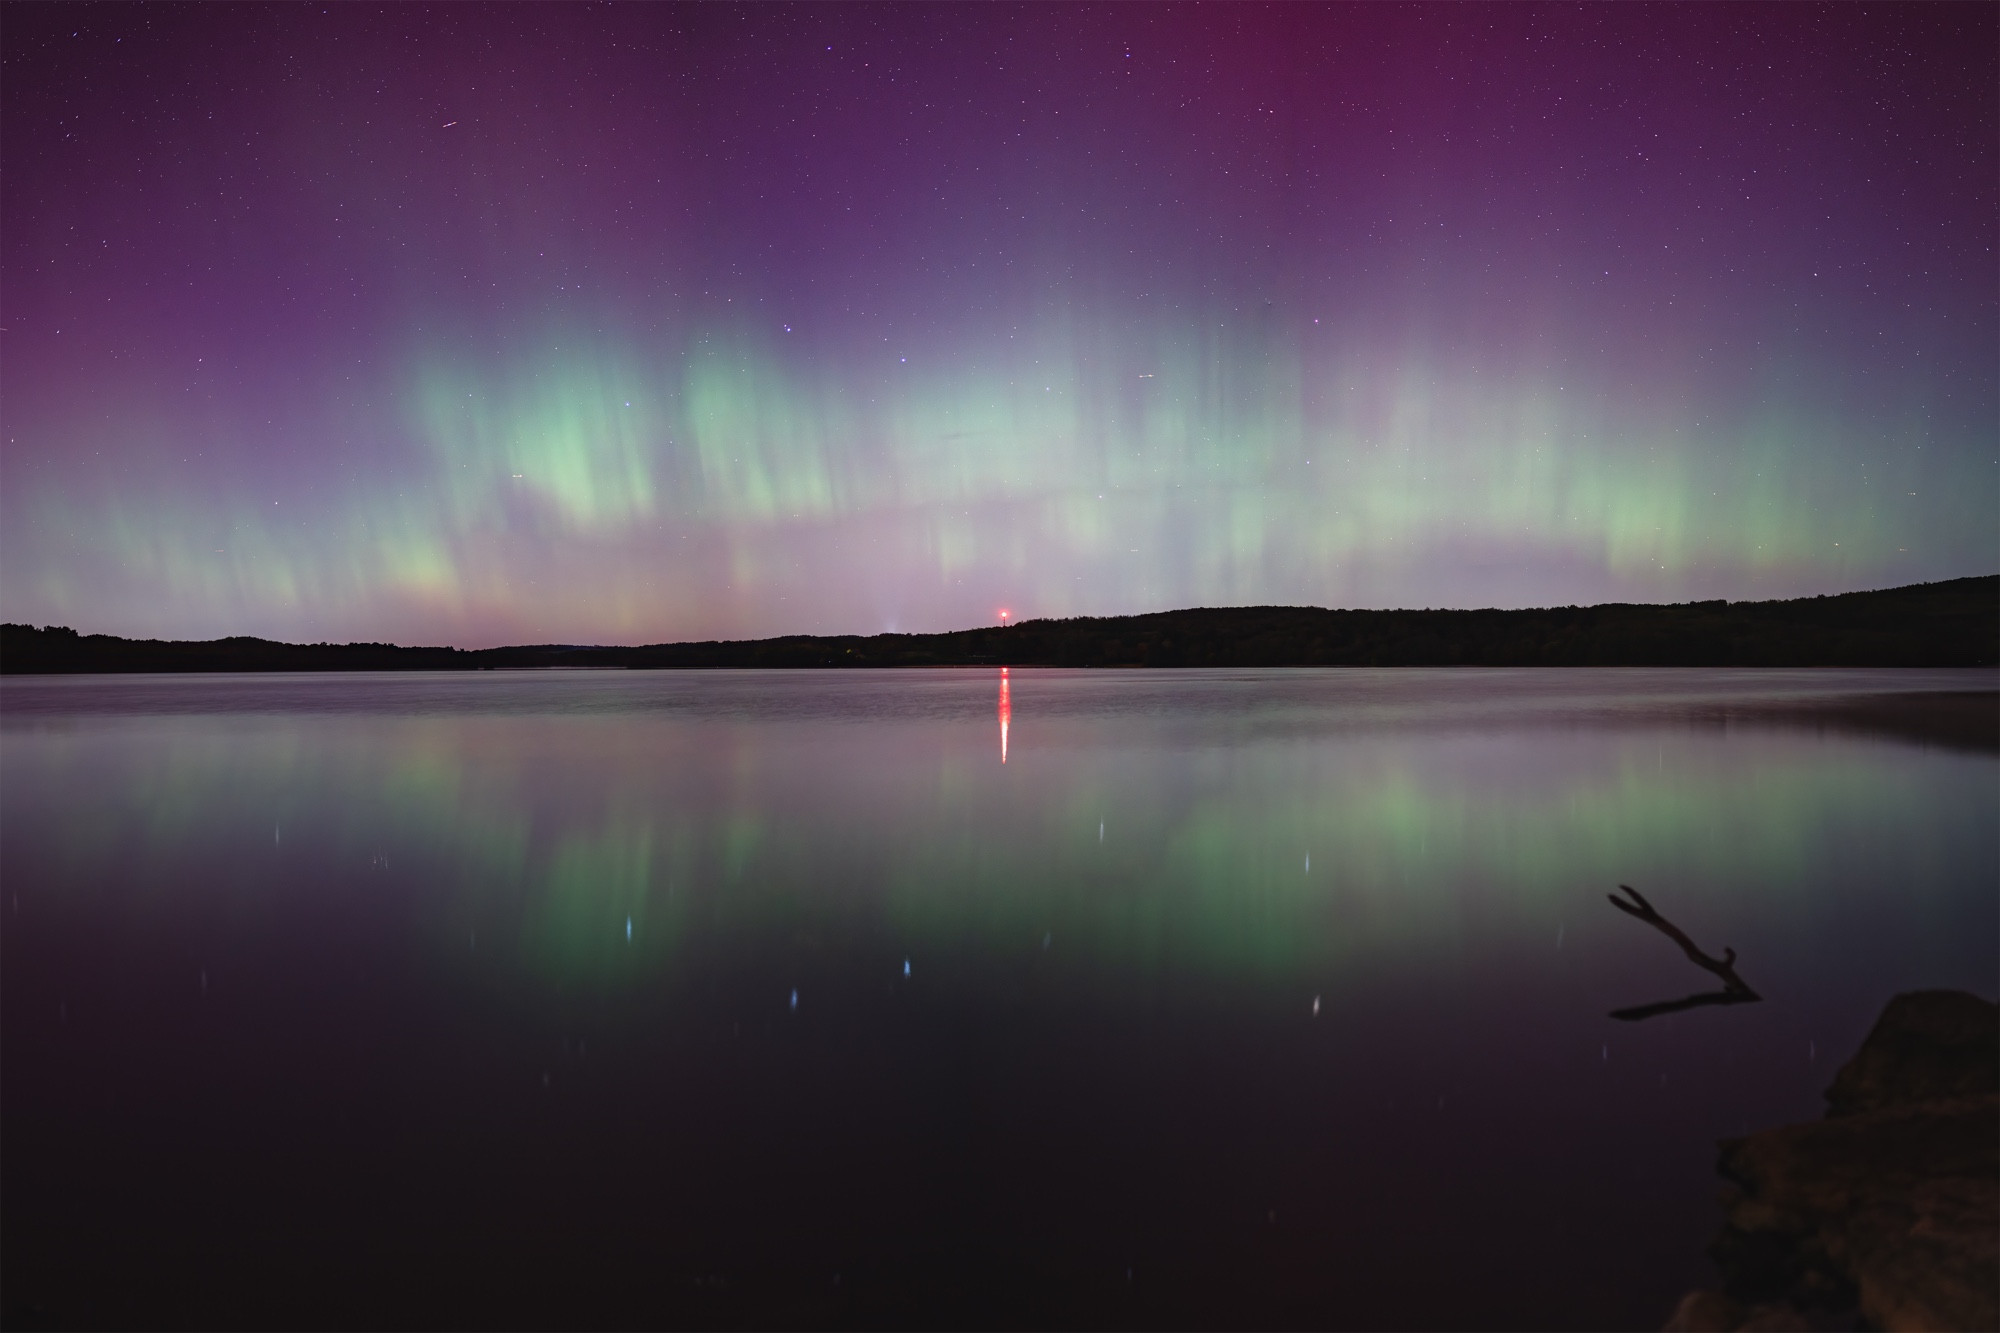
(1006, 711)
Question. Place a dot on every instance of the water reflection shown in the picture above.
(602, 845)
(1315, 1030)
(1006, 713)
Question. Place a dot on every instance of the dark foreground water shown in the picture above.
(1232, 998)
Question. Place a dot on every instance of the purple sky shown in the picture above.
(484, 325)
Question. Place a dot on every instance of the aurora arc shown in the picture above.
(1249, 326)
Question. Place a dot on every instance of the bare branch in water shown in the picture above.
(1734, 991)
(1707, 997)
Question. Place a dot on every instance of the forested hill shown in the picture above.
(1955, 623)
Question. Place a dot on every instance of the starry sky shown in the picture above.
(640, 323)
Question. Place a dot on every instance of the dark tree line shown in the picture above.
(1954, 623)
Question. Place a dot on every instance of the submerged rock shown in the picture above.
(1886, 1214)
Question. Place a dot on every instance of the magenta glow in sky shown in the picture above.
(483, 325)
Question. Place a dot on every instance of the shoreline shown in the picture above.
(1955, 623)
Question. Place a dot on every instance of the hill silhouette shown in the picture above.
(1952, 623)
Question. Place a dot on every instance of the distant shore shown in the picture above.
(1954, 623)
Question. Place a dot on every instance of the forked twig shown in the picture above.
(1724, 967)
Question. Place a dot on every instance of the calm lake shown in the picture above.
(1258, 998)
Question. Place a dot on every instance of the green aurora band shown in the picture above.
(588, 492)
(538, 324)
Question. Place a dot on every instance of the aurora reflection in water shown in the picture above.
(586, 995)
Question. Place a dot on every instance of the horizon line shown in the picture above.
(1012, 624)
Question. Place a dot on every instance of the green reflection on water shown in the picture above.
(1364, 855)
(599, 853)
(592, 903)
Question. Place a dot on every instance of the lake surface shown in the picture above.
(892, 998)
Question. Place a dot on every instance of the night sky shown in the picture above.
(580, 324)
